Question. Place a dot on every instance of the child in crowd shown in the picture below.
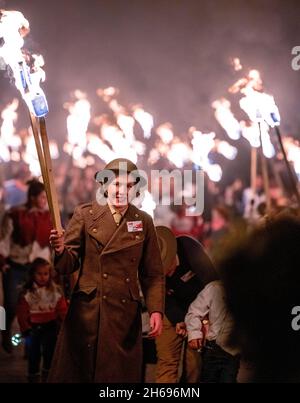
(220, 360)
(40, 310)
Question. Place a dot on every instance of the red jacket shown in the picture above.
(41, 305)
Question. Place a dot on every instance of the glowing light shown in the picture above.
(165, 132)
(236, 63)
(292, 148)
(203, 143)
(226, 149)
(214, 172)
(126, 123)
(10, 116)
(97, 147)
(27, 75)
(77, 123)
(251, 133)
(179, 153)
(145, 119)
(54, 153)
(16, 339)
(148, 204)
(226, 118)
(260, 106)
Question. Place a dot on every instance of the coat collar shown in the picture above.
(101, 224)
(121, 238)
(103, 228)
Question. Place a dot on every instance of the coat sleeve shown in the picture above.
(198, 309)
(151, 273)
(69, 260)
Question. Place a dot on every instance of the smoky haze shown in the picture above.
(170, 55)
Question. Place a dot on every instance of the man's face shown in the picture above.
(119, 191)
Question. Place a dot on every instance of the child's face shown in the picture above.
(42, 275)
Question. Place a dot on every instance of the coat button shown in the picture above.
(127, 280)
(91, 211)
(105, 275)
(137, 237)
(136, 215)
(104, 297)
(94, 229)
(123, 301)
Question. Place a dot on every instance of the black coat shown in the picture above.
(191, 276)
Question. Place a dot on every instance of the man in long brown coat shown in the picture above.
(114, 245)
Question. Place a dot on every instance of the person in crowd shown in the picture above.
(261, 279)
(113, 245)
(219, 231)
(187, 271)
(220, 361)
(24, 236)
(183, 224)
(40, 310)
(15, 189)
(252, 199)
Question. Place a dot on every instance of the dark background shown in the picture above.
(170, 55)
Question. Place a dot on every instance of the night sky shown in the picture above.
(170, 55)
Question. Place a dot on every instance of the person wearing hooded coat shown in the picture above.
(188, 269)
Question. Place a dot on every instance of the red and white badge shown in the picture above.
(135, 226)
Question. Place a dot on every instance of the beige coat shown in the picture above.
(100, 340)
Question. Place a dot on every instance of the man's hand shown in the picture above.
(195, 344)
(155, 324)
(57, 241)
(181, 329)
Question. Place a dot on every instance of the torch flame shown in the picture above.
(77, 123)
(9, 116)
(226, 118)
(144, 119)
(13, 28)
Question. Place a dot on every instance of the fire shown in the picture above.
(292, 148)
(25, 69)
(13, 28)
(145, 119)
(10, 116)
(78, 120)
(165, 132)
(226, 149)
(202, 144)
(226, 118)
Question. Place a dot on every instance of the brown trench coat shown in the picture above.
(100, 340)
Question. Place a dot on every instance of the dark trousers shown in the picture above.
(40, 343)
(218, 366)
(13, 280)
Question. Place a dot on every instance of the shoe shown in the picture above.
(34, 378)
(44, 376)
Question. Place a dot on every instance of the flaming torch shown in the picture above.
(262, 109)
(26, 72)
